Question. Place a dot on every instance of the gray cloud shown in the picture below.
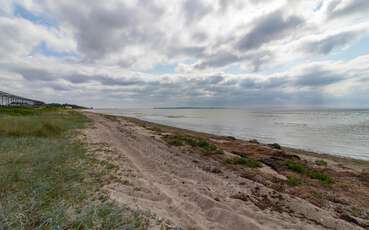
(317, 77)
(273, 26)
(41, 75)
(339, 8)
(101, 29)
(329, 43)
(118, 43)
(214, 89)
(224, 58)
(195, 10)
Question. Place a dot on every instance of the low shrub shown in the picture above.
(175, 142)
(321, 176)
(294, 181)
(295, 166)
(313, 174)
(321, 162)
(248, 162)
(202, 144)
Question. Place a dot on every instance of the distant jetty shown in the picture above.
(8, 99)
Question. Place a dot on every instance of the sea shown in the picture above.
(342, 132)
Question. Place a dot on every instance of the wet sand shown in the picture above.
(190, 189)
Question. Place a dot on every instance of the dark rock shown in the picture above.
(238, 153)
(254, 141)
(231, 138)
(291, 157)
(275, 146)
(215, 170)
(364, 177)
(212, 169)
(241, 196)
(217, 199)
(358, 221)
(280, 154)
(275, 163)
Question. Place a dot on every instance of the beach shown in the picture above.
(194, 180)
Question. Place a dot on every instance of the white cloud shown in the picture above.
(101, 51)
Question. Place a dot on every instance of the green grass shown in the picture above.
(17, 111)
(202, 144)
(248, 162)
(294, 181)
(47, 181)
(44, 124)
(321, 176)
(313, 174)
(295, 166)
(321, 162)
(176, 142)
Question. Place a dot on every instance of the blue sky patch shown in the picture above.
(41, 19)
(358, 48)
(44, 50)
(163, 69)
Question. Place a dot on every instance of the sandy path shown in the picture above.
(177, 186)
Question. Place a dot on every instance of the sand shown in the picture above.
(185, 189)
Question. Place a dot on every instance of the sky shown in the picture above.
(152, 53)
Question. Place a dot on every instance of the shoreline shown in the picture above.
(311, 189)
(304, 135)
(299, 151)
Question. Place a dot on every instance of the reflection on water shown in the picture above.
(340, 132)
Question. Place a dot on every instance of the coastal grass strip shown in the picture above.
(248, 162)
(47, 181)
(202, 144)
(301, 168)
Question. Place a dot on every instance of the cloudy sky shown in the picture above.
(146, 53)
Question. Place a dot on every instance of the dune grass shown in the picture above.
(47, 181)
(321, 162)
(203, 145)
(301, 168)
(294, 181)
(248, 162)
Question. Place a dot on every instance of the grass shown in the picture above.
(324, 178)
(295, 166)
(202, 144)
(294, 181)
(248, 162)
(47, 179)
(313, 174)
(321, 162)
(49, 124)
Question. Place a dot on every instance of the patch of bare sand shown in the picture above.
(178, 186)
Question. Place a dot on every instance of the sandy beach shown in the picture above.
(226, 183)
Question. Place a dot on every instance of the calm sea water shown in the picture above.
(338, 132)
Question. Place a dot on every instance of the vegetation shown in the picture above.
(248, 162)
(313, 174)
(294, 181)
(56, 105)
(321, 162)
(324, 178)
(47, 179)
(295, 166)
(202, 144)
